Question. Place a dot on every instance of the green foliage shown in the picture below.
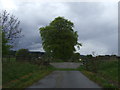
(109, 68)
(8, 59)
(16, 70)
(5, 46)
(103, 82)
(22, 53)
(91, 63)
(75, 57)
(107, 73)
(9, 26)
(59, 38)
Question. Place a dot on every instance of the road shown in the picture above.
(66, 65)
(65, 79)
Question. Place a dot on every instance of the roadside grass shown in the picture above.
(109, 69)
(22, 74)
(107, 75)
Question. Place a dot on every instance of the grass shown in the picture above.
(21, 74)
(109, 70)
(100, 80)
(11, 59)
(107, 75)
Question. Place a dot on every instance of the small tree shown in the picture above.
(5, 46)
(22, 54)
(9, 25)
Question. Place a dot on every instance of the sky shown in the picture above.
(95, 22)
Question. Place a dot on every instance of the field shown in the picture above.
(107, 75)
(22, 74)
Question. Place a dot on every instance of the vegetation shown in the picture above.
(75, 57)
(59, 38)
(107, 73)
(91, 63)
(10, 31)
(22, 53)
(0, 42)
(109, 70)
(8, 59)
(5, 46)
(22, 74)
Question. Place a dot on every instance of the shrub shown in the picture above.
(75, 57)
(91, 63)
(22, 54)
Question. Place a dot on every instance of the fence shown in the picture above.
(8, 58)
(30, 59)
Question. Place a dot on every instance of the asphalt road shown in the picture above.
(65, 79)
(66, 65)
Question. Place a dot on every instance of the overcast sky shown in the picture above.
(96, 23)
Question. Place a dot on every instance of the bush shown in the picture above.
(22, 54)
(91, 63)
(76, 57)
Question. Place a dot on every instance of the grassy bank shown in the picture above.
(22, 74)
(107, 75)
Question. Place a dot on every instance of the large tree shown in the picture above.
(10, 30)
(59, 38)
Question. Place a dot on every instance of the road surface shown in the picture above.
(65, 79)
(72, 65)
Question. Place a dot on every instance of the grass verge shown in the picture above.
(22, 75)
(107, 76)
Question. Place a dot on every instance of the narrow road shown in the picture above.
(66, 65)
(65, 79)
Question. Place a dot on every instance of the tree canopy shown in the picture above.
(9, 26)
(5, 46)
(59, 38)
(22, 52)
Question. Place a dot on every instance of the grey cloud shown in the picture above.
(95, 22)
(95, 25)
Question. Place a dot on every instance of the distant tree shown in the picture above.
(22, 53)
(10, 30)
(59, 38)
(89, 56)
